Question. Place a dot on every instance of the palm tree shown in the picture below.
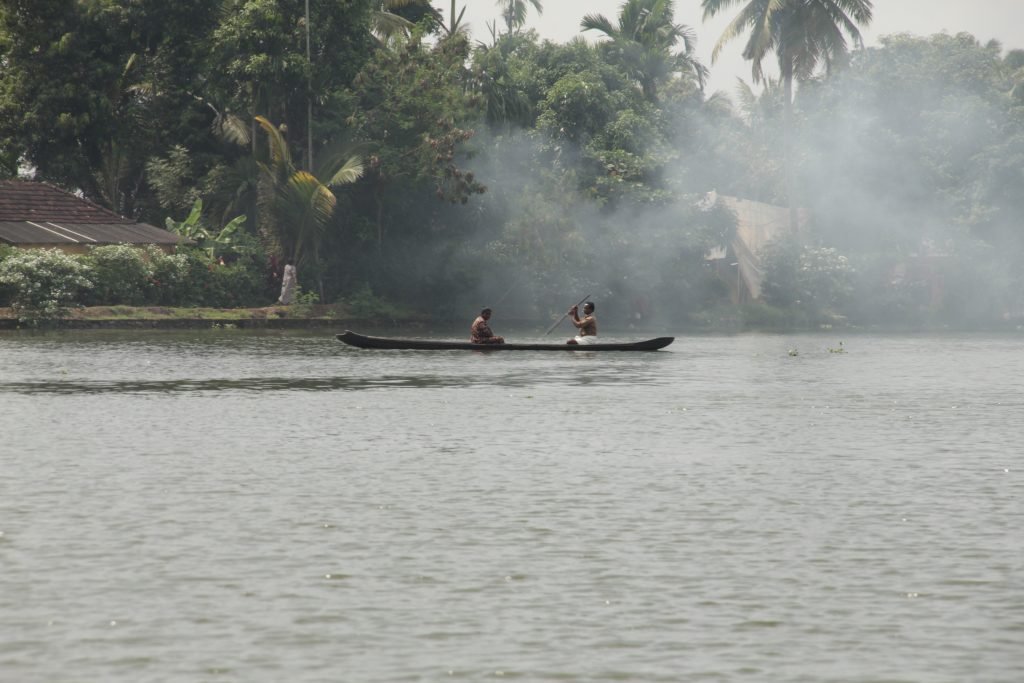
(387, 18)
(297, 204)
(643, 43)
(514, 12)
(802, 34)
(455, 27)
(506, 103)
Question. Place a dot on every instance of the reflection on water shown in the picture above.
(183, 362)
(283, 384)
(265, 507)
(248, 384)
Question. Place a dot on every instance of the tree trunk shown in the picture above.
(309, 103)
(319, 272)
(380, 224)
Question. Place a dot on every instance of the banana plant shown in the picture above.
(228, 240)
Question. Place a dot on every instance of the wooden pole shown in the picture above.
(564, 316)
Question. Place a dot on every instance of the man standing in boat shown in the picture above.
(480, 332)
(587, 325)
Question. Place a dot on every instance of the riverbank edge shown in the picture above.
(298, 317)
(171, 318)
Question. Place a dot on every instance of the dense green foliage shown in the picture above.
(404, 162)
(42, 284)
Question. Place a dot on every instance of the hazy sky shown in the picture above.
(986, 19)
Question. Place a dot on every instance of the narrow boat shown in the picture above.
(365, 342)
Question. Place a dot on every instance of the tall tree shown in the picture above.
(507, 104)
(9, 156)
(803, 34)
(643, 43)
(455, 26)
(415, 104)
(259, 64)
(513, 12)
(88, 91)
(392, 18)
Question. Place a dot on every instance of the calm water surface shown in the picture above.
(261, 507)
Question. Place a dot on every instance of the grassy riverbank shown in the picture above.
(294, 316)
(731, 320)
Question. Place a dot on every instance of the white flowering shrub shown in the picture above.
(43, 283)
(5, 291)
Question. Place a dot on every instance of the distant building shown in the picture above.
(40, 216)
(757, 224)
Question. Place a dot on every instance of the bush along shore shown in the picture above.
(121, 286)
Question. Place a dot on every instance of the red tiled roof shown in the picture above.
(37, 213)
(21, 200)
(49, 232)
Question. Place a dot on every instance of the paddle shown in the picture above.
(565, 316)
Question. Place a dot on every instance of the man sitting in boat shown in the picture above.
(587, 324)
(480, 332)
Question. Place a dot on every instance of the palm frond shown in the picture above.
(456, 27)
(350, 172)
(279, 153)
(231, 128)
(748, 17)
(599, 22)
(387, 25)
(308, 200)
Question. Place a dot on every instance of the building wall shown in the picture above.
(757, 224)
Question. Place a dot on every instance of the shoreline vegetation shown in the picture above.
(741, 319)
(404, 164)
(174, 317)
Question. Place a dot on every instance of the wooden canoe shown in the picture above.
(365, 342)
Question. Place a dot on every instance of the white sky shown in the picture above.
(986, 19)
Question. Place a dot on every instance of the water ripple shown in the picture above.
(265, 508)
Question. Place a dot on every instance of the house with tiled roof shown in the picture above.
(41, 216)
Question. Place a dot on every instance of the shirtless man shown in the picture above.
(587, 324)
(480, 332)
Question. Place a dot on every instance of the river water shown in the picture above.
(264, 507)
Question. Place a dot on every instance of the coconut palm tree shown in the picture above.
(298, 204)
(643, 42)
(803, 34)
(388, 22)
(514, 12)
(506, 103)
(455, 27)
